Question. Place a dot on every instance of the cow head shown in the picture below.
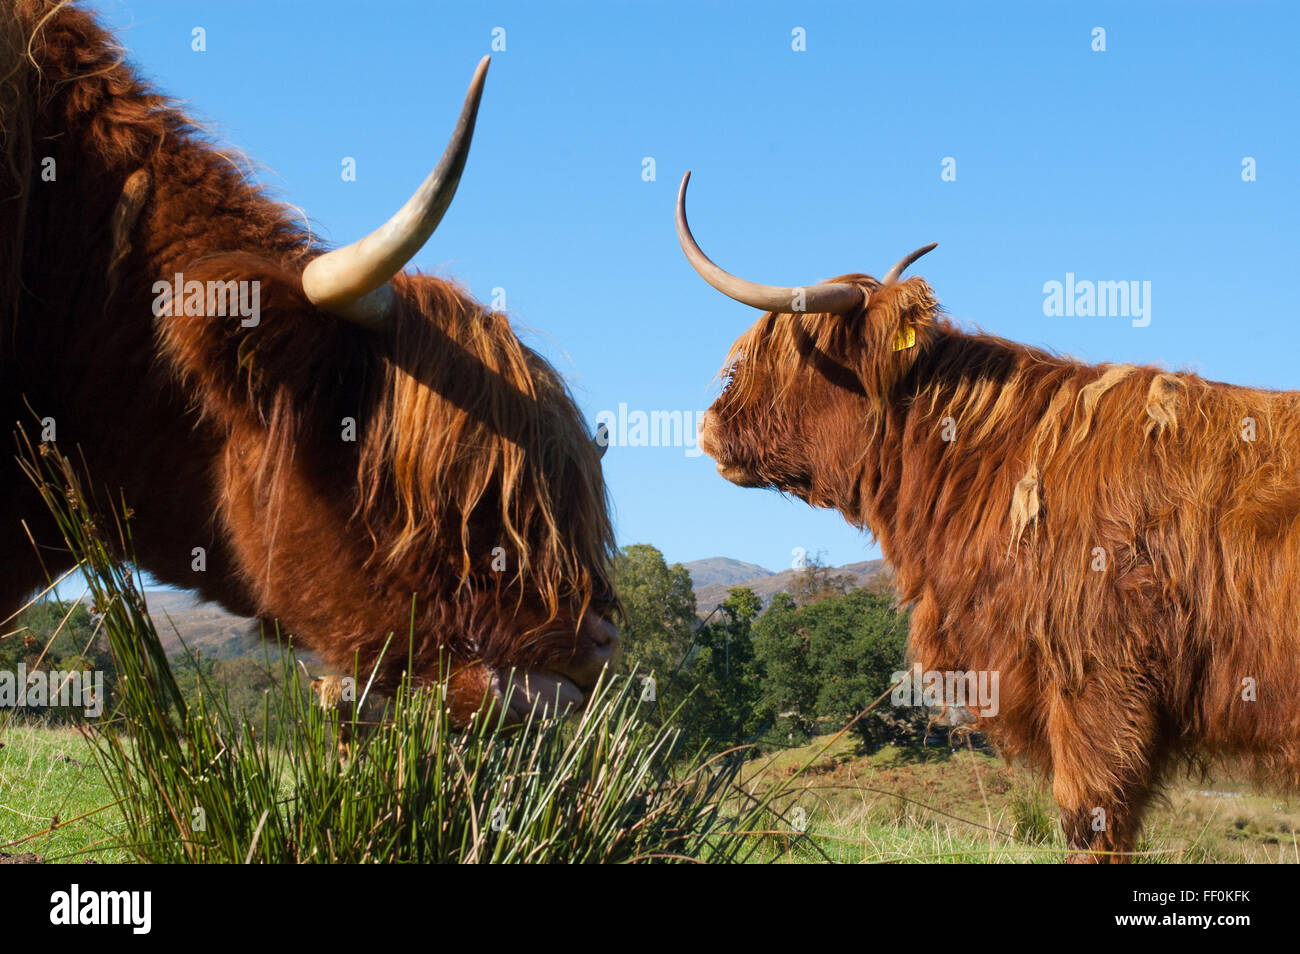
(394, 462)
(804, 388)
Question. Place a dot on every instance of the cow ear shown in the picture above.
(899, 324)
(242, 335)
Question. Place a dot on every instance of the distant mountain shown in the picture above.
(205, 627)
(724, 570)
(766, 584)
(212, 632)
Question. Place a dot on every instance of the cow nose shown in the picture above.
(604, 634)
(604, 639)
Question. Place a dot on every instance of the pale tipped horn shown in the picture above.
(832, 298)
(896, 272)
(352, 282)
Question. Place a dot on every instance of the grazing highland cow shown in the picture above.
(315, 437)
(1120, 544)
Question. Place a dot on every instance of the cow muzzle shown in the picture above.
(711, 445)
(706, 434)
(565, 686)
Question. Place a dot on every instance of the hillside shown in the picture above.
(714, 579)
(724, 570)
(205, 627)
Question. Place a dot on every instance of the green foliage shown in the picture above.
(659, 628)
(781, 647)
(244, 682)
(726, 676)
(822, 654)
(55, 636)
(660, 604)
(857, 642)
(707, 672)
(831, 659)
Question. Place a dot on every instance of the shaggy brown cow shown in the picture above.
(1120, 544)
(354, 450)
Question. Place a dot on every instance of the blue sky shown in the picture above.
(1116, 165)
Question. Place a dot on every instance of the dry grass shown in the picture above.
(969, 806)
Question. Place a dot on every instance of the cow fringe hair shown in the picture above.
(500, 432)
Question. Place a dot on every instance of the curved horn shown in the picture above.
(352, 282)
(905, 261)
(832, 298)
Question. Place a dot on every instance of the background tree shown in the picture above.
(32, 641)
(816, 581)
(830, 659)
(660, 604)
(726, 675)
(781, 649)
(856, 643)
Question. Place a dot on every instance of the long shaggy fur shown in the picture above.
(469, 451)
(1120, 543)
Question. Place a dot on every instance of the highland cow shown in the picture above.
(357, 452)
(1120, 544)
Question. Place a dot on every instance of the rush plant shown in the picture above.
(200, 782)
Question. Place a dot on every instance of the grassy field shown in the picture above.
(891, 806)
(944, 805)
(48, 777)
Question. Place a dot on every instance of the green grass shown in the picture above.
(48, 777)
(941, 805)
(894, 805)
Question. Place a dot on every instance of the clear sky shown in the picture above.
(1122, 165)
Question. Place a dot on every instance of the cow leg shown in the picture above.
(1103, 766)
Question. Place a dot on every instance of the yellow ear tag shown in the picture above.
(904, 339)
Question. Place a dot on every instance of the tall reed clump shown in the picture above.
(202, 783)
